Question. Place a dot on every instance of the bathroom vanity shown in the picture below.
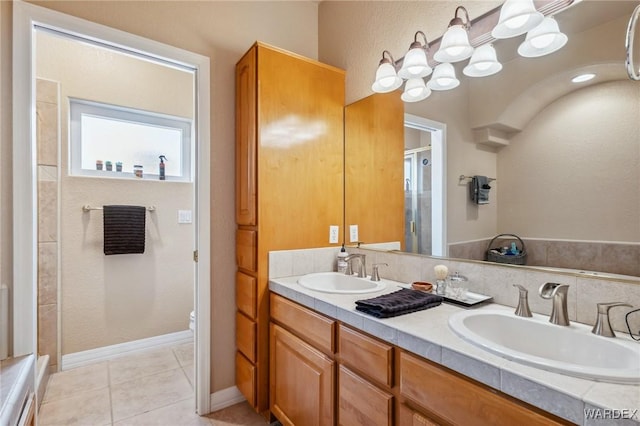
(333, 365)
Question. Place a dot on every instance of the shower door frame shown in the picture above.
(25, 19)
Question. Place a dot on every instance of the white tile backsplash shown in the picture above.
(490, 279)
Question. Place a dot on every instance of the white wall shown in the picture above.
(576, 164)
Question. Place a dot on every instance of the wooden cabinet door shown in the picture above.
(246, 140)
(301, 381)
(373, 158)
(361, 403)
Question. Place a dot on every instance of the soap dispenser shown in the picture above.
(342, 263)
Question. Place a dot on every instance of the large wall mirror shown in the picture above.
(565, 156)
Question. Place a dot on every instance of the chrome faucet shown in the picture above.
(523, 303)
(557, 292)
(602, 326)
(375, 276)
(362, 267)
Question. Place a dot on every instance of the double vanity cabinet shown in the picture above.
(323, 372)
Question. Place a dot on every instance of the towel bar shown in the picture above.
(462, 177)
(87, 208)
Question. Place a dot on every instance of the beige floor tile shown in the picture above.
(77, 380)
(86, 408)
(142, 364)
(238, 414)
(181, 413)
(148, 393)
(184, 353)
(189, 371)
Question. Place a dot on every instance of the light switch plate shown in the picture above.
(184, 216)
(353, 233)
(333, 234)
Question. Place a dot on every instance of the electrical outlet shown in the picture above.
(333, 234)
(353, 233)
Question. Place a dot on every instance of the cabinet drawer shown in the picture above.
(359, 351)
(362, 403)
(246, 378)
(308, 325)
(246, 294)
(461, 401)
(246, 247)
(246, 336)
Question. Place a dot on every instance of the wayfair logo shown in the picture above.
(610, 414)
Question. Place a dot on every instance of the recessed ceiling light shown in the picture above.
(582, 78)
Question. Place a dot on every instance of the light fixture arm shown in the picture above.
(416, 43)
(388, 60)
(458, 21)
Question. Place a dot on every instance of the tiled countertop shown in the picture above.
(427, 334)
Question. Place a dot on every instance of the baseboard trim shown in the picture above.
(79, 359)
(225, 398)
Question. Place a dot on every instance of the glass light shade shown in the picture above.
(443, 78)
(544, 39)
(415, 90)
(386, 79)
(415, 64)
(484, 62)
(454, 46)
(516, 17)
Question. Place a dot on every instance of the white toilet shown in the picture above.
(192, 320)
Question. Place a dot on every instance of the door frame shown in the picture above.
(25, 17)
(439, 179)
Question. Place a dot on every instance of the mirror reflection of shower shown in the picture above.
(424, 171)
(417, 175)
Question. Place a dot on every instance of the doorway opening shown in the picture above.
(30, 22)
(425, 186)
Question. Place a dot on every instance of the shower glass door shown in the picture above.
(418, 200)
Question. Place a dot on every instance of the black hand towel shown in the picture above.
(399, 302)
(124, 229)
(480, 189)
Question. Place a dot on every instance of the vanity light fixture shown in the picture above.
(582, 78)
(455, 44)
(415, 63)
(483, 62)
(443, 78)
(386, 78)
(516, 17)
(544, 39)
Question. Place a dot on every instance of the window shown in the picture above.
(108, 141)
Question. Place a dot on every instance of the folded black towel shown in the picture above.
(480, 189)
(399, 302)
(124, 229)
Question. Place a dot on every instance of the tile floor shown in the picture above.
(149, 388)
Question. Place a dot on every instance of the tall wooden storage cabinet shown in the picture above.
(289, 185)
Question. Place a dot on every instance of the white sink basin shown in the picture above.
(571, 350)
(334, 282)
